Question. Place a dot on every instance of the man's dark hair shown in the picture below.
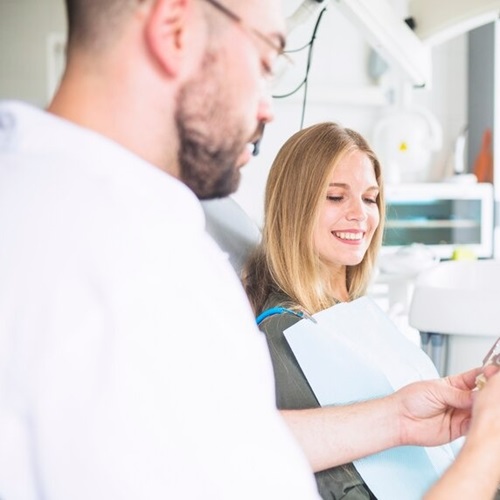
(94, 22)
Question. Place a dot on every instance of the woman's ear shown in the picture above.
(166, 33)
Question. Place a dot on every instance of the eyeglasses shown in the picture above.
(282, 59)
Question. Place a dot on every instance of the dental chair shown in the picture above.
(456, 308)
(232, 229)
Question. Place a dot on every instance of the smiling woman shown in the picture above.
(324, 208)
(348, 218)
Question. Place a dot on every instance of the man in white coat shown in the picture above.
(130, 364)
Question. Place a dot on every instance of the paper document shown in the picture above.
(355, 352)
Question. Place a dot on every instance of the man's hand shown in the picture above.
(438, 411)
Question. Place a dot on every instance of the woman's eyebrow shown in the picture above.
(344, 185)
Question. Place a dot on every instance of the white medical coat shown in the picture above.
(130, 365)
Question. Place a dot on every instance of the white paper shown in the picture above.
(354, 353)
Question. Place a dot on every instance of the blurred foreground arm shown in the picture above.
(476, 471)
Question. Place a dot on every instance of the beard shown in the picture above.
(210, 137)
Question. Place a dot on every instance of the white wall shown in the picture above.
(337, 75)
(25, 28)
(340, 88)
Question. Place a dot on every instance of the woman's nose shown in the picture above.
(357, 210)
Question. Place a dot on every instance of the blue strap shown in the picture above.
(277, 310)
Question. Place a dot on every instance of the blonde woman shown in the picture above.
(298, 195)
(324, 214)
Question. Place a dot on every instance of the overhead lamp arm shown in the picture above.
(390, 36)
(407, 48)
(438, 21)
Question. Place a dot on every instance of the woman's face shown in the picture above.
(349, 215)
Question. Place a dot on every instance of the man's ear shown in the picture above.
(165, 33)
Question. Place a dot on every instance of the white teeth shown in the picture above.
(349, 236)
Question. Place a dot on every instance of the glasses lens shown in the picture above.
(282, 64)
(281, 67)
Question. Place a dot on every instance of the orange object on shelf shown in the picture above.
(483, 166)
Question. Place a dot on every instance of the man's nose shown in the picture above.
(265, 113)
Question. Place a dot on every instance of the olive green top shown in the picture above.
(294, 393)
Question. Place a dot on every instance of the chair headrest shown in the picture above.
(232, 229)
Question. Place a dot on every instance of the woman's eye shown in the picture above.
(371, 200)
(334, 198)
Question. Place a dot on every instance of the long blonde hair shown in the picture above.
(286, 260)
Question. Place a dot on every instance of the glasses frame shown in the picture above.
(278, 48)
